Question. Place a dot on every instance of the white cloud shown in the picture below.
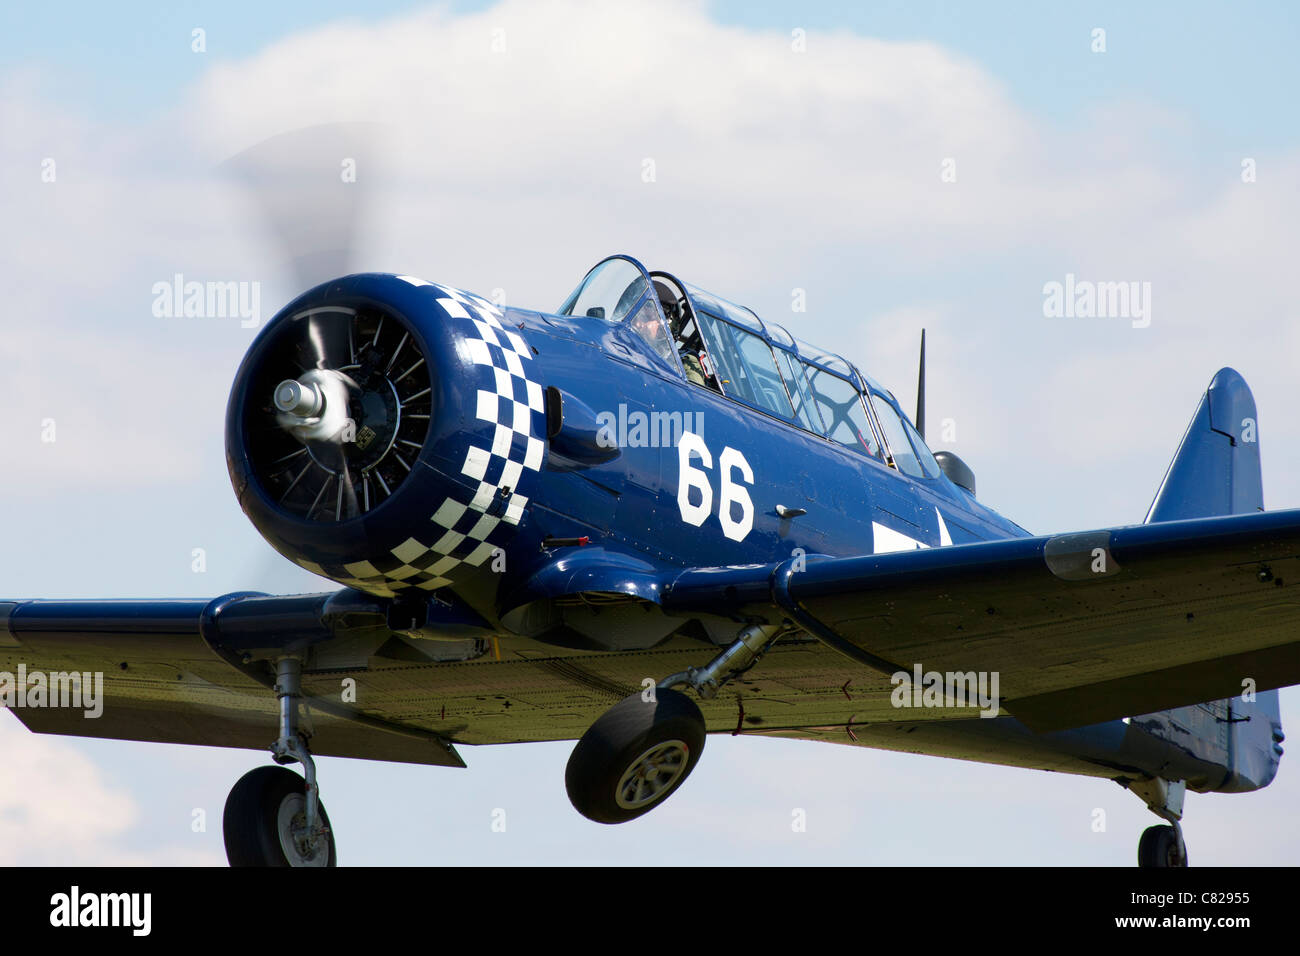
(773, 169)
(57, 808)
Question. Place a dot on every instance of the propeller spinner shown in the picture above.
(335, 441)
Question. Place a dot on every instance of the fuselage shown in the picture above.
(591, 454)
(633, 498)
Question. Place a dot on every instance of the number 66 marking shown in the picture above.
(731, 493)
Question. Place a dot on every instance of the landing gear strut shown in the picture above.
(643, 748)
(273, 817)
(1162, 846)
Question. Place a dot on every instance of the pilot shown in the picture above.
(692, 367)
(647, 325)
(690, 360)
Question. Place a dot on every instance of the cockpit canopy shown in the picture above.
(609, 291)
(725, 347)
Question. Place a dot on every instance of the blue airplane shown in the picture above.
(650, 516)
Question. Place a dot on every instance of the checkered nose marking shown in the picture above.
(462, 528)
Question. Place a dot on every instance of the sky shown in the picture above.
(903, 165)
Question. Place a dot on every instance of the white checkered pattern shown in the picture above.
(501, 461)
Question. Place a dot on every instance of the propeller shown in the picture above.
(341, 399)
(317, 410)
(314, 188)
(332, 443)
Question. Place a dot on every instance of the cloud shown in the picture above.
(59, 809)
(524, 132)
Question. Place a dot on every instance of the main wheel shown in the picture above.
(264, 820)
(1159, 847)
(635, 756)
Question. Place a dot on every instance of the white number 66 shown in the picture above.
(731, 493)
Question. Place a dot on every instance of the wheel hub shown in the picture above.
(301, 848)
(649, 777)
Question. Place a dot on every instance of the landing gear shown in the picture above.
(1162, 846)
(265, 822)
(635, 756)
(274, 817)
(644, 747)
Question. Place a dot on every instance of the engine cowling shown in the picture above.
(387, 433)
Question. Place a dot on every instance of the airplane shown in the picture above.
(650, 516)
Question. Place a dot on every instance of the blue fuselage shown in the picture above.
(567, 456)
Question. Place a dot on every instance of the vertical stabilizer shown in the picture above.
(1216, 472)
(1216, 468)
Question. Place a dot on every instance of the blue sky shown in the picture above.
(775, 172)
(1232, 64)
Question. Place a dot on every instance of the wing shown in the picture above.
(1081, 628)
(196, 672)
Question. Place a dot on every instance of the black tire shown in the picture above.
(250, 823)
(1159, 848)
(616, 743)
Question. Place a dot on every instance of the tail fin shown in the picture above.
(1216, 468)
(1216, 472)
